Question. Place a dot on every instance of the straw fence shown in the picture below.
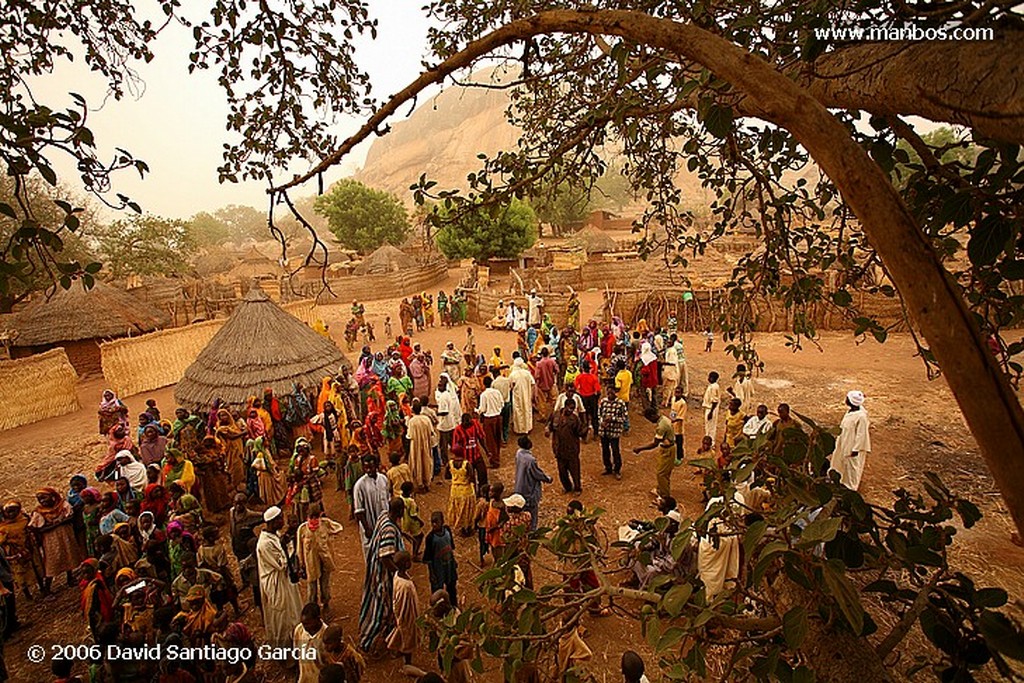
(36, 388)
(159, 359)
(703, 310)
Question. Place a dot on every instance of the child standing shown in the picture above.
(709, 339)
(461, 498)
(405, 637)
(495, 519)
(412, 525)
(483, 504)
(387, 328)
(439, 554)
(710, 404)
(213, 556)
(399, 473)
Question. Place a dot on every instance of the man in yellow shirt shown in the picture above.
(677, 413)
(623, 383)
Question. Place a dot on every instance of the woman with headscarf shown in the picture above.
(198, 618)
(91, 514)
(254, 425)
(231, 436)
(399, 383)
(152, 445)
(649, 378)
(156, 501)
(96, 601)
(211, 417)
(451, 360)
(419, 371)
(304, 473)
(112, 412)
(179, 544)
(110, 514)
(126, 553)
(209, 465)
(405, 316)
(19, 547)
(573, 310)
(118, 440)
(177, 468)
(185, 431)
(327, 421)
(188, 512)
(269, 486)
(393, 428)
(428, 309)
(373, 425)
(279, 429)
(52, 524)
(470, 386)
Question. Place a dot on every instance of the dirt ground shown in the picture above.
(916, 427)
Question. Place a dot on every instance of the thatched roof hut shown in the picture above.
(254, 265)
(593, 241)
(78, 319)
(385, 259)
(259, 346)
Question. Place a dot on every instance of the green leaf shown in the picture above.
(718, 120)
(842, 298)
(845, 594)
(48, 174)
(670, 639)
(821, 530)
(968, 511)
(676, 599)
(991, 597)
(988, 240)
(1002, 634)
(794, 627)
(753, 534)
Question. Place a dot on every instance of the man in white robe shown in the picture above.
(743, 387)
(536, 314)
(711, 404)
(282, 603)
(522, 397)
(854, 442)
(670, 371)
(758, 423)
(718, 560)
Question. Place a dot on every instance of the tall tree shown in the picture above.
(146, 245)
(27, 270)
(363, 218)
(496, 231)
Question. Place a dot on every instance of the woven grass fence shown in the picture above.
(37, 387)
(159, 359)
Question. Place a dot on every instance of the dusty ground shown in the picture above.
(916, 427)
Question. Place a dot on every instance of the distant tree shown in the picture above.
(26, 270)
(560, 204)
(146, 245)
(362, 218)
(502, 231)
(243, 222)
(207, 230)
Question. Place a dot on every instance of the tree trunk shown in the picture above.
(934, 301)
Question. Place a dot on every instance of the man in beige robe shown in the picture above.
(420, 432)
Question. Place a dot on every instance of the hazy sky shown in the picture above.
(177, 124)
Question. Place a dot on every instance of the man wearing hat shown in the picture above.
(282, 604)
(854, 442)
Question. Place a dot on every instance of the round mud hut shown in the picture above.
(78, 319)
(260, 346)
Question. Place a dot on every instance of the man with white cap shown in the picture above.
(536, 310)
(854, 442)
(282, 604)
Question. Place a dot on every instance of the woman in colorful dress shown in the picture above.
(52, 522)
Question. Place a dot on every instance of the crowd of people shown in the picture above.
(146, 536)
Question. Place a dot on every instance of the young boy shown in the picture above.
(733, 423)
(309, 635)
(412, 525)
(337, 652)
(495, 519)
(623, 383)
(709, 340)
(399, 473)
(632, 668)
(387, 327)
(405, 637)
(712, 397)
(483, 504)
(677, 413)
(439, 554)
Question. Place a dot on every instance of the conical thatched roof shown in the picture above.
(594, 241)
(254, 265)
(259, 346)
(384, 260)
(103, 312)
